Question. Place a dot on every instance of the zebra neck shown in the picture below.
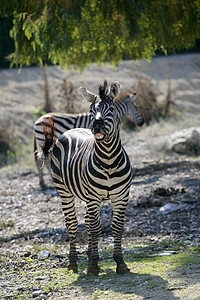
(121, 110)
(107, 152)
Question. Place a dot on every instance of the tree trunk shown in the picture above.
(47, 106)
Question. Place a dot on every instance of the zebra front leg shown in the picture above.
(93, 238)
(68, 206)
(117, 229)
(87, 225)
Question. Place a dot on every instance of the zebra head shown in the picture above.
(102, 109)
(132, 111)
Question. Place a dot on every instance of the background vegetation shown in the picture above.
(82, 32)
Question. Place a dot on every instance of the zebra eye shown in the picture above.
(111, 108)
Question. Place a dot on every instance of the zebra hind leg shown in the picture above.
(117, 228)
(39, 165)
(48, 165)
(68, 206)
(93, 226)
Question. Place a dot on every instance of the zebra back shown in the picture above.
(62, 122)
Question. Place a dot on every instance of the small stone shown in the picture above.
(111, 246)
(43, 254)
(39, 278)
(21, 288)
(42, 297)
(28, 248)
(27, 254)
(37, 293)
(165, 253)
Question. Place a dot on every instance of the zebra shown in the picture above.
(60, 122)
(92, 165)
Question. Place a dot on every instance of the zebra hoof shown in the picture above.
(122, 269)
(73, 267)
(43, 186)
(94, 270)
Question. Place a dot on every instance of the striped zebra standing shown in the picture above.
(92, 165)
(61, 122)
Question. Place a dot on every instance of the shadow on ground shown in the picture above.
(146, 285)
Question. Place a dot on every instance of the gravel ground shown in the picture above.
(164, 205)
(164, 200)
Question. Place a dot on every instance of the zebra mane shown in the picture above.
(122, 96)
(102, 90)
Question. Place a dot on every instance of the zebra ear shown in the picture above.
(133, 96)
(88, 96)
(114, 90)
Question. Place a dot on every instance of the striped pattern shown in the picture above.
(92, 165)
(125, 109)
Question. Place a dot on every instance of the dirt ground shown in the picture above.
(165, 193)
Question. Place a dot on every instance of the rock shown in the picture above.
(186, 141)
(169, 207)
(167, 253)
(43, 254)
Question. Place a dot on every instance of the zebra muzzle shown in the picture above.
(99, 133)
(99, 136)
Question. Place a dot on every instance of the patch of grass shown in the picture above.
(51, 248)
(152, 276)
(37, 113)
(17, 156)
(9, 152)
(6, 223)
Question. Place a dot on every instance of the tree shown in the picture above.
(71, 32)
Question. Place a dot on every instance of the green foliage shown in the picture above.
(38, 113)
(6, 43)
(82, 32)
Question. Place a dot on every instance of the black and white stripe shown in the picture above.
(92, 165)
(125, 109)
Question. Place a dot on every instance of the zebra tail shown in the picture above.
(35, 150)
(49, 133)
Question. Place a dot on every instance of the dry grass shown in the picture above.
(67, 99)
(70, 102)
(147, 99)
(6, 142)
